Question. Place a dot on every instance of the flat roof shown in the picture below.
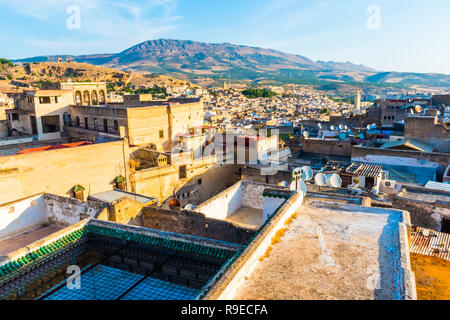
(332, 252)
(114, 195)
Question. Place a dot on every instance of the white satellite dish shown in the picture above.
(328, 179)
(284, 184)
(320, 179)
(306, 134)
(302, 187)
(190, 207)
(341, 127)
(332, 128)
(309, 173)
(346, 127)
(368, 127)
(336, 181)
(320, 126)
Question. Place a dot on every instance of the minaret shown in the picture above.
(357, 102)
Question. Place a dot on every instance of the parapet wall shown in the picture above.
(226, 282)
(195, 224)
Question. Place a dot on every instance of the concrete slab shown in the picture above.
(247, 217)
(331, 253)
(24, 239)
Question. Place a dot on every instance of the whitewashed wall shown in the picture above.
(21, 216)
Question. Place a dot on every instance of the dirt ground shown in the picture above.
(326, 255)
(432, 277)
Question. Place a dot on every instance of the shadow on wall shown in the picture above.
(21, 216)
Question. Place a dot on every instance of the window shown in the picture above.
(86, 123)
(50, 124)
(199, 182)
(105, 125)
(30, 99)
(95, 124)
(78, 121)
(116, 125)
(44, 100)
(161, 134)
(15, 116)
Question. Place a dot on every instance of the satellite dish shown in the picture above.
(306, 134)
(412, 111)
(309, 173)
(320, 126)
(302, 187)
(328, 179)
(346, 127)
(320, 179)
(336, 181)
(368, 127)
(332, 128)
(341, 127)
(361, 136)
(342, 136)
(190, 207)
(283, 184)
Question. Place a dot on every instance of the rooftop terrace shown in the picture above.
(334, 251)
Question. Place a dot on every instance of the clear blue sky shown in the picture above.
(414, 35)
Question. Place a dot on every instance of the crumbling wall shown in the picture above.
(423, 214)
(252, 194)
(126, 211)
(64, 212)
(195, 224)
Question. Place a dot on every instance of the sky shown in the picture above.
(388, 35)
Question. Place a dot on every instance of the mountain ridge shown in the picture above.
(195, 60)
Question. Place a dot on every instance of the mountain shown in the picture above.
(196, 60)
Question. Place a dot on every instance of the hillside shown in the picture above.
(36, 73)
(198, 61)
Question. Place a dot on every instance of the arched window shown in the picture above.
(86, 98)
(94, 97)
(102, 97)
(78, 100)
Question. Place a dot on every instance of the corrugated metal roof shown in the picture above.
(438, 186)
(365, 170)
(435, 244)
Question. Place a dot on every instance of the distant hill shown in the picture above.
(195, 60)
(36, 73)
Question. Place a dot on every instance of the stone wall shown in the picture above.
(195, 224)
(64, 212)
(425, 128)
(327, 147)
(126, 211)
(423, 214)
